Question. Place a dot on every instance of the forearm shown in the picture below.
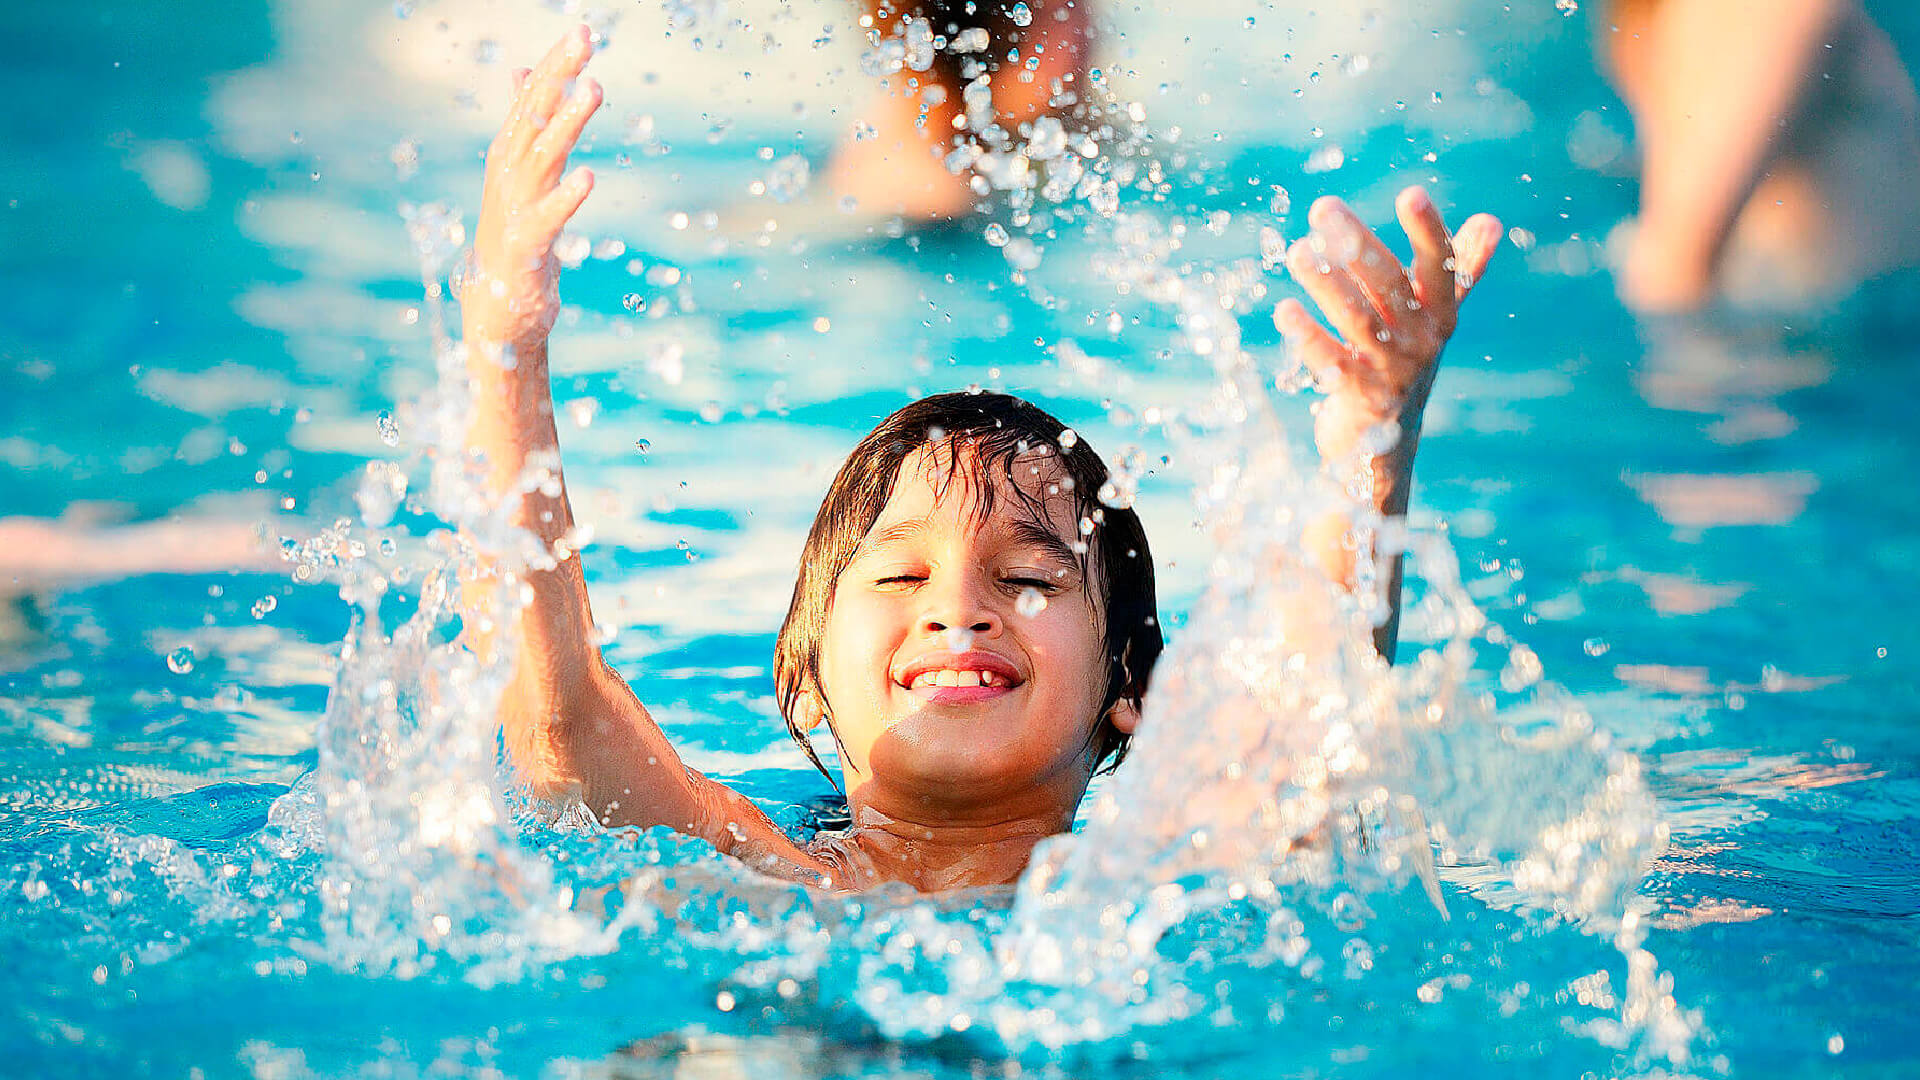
(627, 774)
(512, 434)
(556, 665)
(572, 725)
(1334, 542)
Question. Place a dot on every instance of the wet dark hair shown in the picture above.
(986, 434)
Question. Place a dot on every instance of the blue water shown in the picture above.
(1707, 535)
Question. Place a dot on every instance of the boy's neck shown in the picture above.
(938, 855)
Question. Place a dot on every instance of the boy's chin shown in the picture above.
(938, 754)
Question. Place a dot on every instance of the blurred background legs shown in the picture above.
(1773, 145)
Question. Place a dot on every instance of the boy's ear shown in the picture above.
(1125, 716)
(808, 710)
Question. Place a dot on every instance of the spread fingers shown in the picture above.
(1366, 258)
(553, 145)
(1326, 357)
(547, 85)
(1344, 302)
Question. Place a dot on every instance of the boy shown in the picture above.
(974, 650)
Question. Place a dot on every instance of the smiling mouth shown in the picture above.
(960, 678)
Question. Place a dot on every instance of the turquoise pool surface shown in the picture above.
(211, 316)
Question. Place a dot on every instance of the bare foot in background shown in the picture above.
(1770, 144)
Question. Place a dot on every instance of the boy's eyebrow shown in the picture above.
(1025, 532)
(893, 534)
(1034, 534)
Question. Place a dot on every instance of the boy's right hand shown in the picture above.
(511, 294)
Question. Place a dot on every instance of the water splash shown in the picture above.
(421, 856)
(1292, 806)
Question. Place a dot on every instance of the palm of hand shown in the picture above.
(510, 296)
(1393, 320)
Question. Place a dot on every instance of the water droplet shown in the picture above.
(1523, 669)
(180, 660)
(1022, 254)
(1069, 439)
(1030, 602)
(405, 157)
(642, 445)
(572, 249)
(959, 639)
(264, 605)
(996, 235)
(1326, 159)
(1021, 14)
(582, 411)
(634, 302)
(788, 177)
(1273, 247)
(389, 429)
(1566, 7)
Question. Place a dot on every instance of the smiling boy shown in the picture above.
(974, 630)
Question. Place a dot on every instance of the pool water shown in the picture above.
(214, 319)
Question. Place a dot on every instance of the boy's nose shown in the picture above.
(985, 624)
(961, 608)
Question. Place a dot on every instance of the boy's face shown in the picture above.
(949, 692)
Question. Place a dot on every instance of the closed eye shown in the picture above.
(1042, 584)
(901, 579)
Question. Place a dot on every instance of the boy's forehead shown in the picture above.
(984, 492)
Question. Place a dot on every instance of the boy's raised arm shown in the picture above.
(1393, 322)
(572, 725)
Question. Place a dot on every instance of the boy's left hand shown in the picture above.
(1393, 320)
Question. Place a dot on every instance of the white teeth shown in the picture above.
(951, 677)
